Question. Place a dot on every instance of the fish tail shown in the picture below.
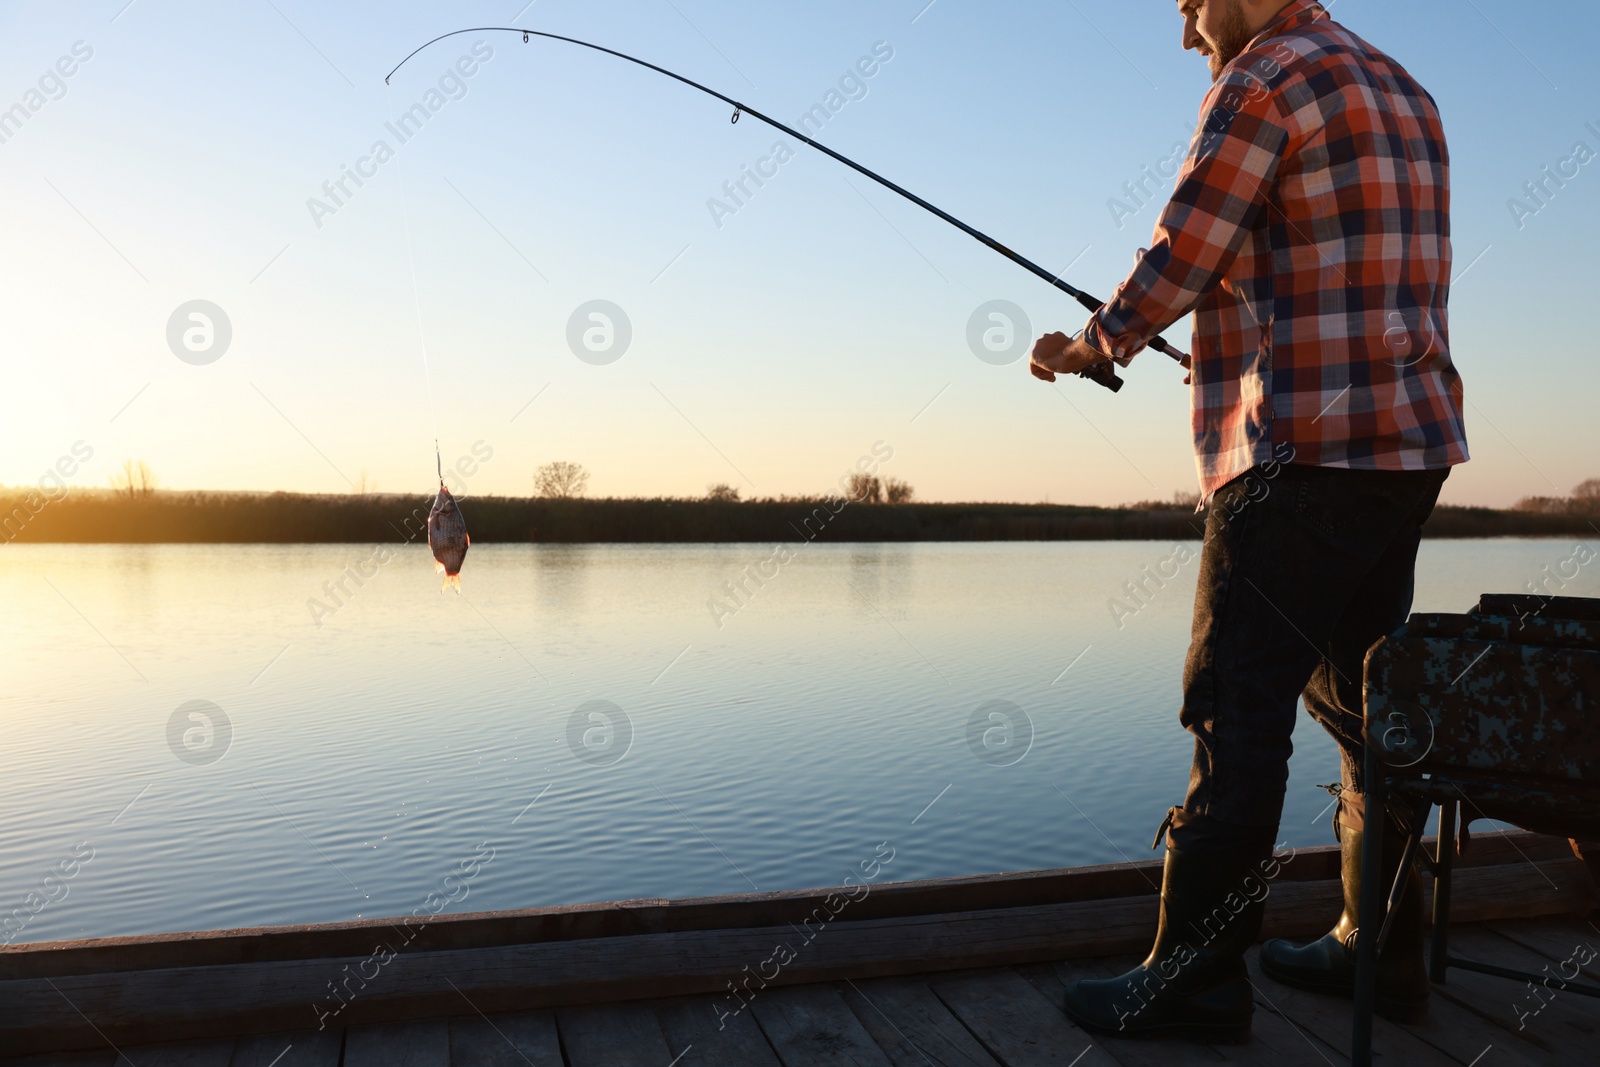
(452, 579)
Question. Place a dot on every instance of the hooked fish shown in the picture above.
(448, 538)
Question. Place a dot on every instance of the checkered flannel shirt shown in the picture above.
(1309, 232)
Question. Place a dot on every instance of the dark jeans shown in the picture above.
(1303, 569)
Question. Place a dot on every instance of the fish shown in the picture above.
(448, 538)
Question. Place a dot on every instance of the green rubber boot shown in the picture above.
(1193, 984)
(1328, 964)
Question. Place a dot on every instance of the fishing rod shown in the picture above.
(1099, 373)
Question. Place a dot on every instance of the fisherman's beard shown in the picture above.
(1232, 37)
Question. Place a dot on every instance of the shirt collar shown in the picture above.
(1296, 14)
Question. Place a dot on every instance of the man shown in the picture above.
(1308, 232)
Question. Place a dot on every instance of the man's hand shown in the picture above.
(1056, 353)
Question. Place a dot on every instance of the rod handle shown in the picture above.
(1160, 345)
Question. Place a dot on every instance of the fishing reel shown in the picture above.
(1102, 374)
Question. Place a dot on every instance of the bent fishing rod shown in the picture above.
(1099, 373)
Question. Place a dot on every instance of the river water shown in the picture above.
(198, 737)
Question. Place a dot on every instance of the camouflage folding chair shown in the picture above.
(1490, 715)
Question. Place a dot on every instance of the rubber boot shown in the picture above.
(1193, 984)
(1328, 965)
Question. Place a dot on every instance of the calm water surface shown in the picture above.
(848, 703)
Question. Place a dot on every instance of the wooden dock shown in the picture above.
(965, 971)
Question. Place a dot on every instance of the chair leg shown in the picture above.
(1370, 914)
(1444, 862)
(1408, 859)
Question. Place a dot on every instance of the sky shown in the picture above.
(770, 341)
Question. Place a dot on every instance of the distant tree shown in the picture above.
(864, 489)
(135, 480)
(897, 491)
(561, 480)
(1586, 495)
(1182, 500)
(722, 491)
(365, 484)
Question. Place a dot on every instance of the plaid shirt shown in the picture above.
(1309, 232)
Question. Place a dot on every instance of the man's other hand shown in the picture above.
(1056, 353)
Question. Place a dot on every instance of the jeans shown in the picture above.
(1303, 569)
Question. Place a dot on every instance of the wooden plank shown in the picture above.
(718, 1032)
(1016, 1024)
(1565, 1025)
(515, 1039)
(211, 1053)
(1472, 1020)
(134, 1007)
(1458, 1033)
(1328, 1019)
(266, 997)
(912, 1025)
(307, 1049)
(1559, 940)
(440, 933)
(1274, 1040)
(583, 921)
(614, 1035)
(413, 1044)
(1464, 1036)
(1507, 846)
(811, 1026)
(1518, 890)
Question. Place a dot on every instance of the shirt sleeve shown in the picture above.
(1220, 192)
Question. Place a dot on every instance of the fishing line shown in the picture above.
(1100, 373)
(416, 295)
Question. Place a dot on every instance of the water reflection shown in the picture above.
(835, 709)
(883, 572)
(560, 575)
